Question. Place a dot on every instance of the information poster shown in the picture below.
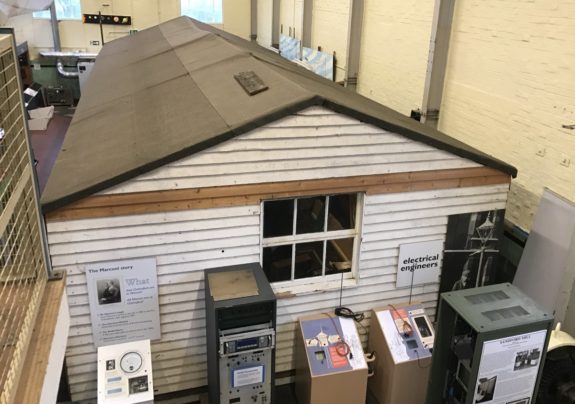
(509, 368)
(419, 263)
(123, 301)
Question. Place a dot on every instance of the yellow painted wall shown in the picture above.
(394, 50)
(237, 17)
(265, 20)
(74, 35)
(330, 20)
(291, 16)
(510, 87)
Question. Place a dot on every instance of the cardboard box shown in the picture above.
(40, 118)
(396, 379)
(337, 379)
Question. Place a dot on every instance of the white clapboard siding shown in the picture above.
(315, 143)
(186, 243)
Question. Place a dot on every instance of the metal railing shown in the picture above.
(23, 273)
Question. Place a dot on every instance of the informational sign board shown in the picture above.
(509, 368)
(419, 263)
(320, 63)
(123, 301)
(290, 48)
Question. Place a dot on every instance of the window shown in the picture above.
(310, 237)
(208, 11)
(65, 10)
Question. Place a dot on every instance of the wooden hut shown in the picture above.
(169, 156)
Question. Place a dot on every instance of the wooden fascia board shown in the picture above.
(235, 195)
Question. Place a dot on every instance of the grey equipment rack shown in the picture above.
(489, 347)
(240, 333)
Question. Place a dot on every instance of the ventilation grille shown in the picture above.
(505, 313)
(488, 297)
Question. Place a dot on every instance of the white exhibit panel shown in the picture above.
(125, 373)
(419, 263)
(123, 299)
(547, 257)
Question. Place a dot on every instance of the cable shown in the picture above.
(419, 362)
(407, 328)
(348, 313)
(341, 347)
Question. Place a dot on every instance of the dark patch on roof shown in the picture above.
(169, 92)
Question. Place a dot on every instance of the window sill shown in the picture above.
(291, 290)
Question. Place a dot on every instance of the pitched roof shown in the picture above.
(169, 92)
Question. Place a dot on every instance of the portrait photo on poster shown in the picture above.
(471, 250)
(485, 389)
(109, 291)
(467, 270)
(525, 400)
(474, 231)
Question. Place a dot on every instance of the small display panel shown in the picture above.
(247, 343)
(320, 355)
(423, 327)
(247, 376)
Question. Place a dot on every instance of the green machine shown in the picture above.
(489, 347)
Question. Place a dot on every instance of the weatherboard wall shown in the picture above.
(185, 243)
(316, 143)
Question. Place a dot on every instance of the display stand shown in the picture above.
(330, 364)
(125, 373)
(489, 347)
(402, 362)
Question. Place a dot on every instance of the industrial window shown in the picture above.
(310, 237)
(208, 11)
(65, 10)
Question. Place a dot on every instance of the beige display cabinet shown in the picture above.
(401, 368)
(324, 376)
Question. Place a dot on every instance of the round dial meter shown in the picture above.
(131, 362)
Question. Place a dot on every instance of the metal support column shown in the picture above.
(254, 20)
(276, 23)
(437, 61)
(306, 23)
(355, 28)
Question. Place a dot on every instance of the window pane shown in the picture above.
(308, 259)
(68, 9)
(339, 254)
(208, 11)
(41, 14)
(278, 218)
(342, 212)
(65, 9)
(277, 263)
(310, 215)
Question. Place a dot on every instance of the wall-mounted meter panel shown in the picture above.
(125, 373)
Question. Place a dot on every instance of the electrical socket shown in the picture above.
(565, 161)
(541, 152)
(94, 43)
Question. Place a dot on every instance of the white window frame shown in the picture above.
(41, 15)
(323, 282)
(206, 22)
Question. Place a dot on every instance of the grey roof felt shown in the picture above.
(169, 91)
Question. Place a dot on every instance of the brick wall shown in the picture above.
(510, 87)
(291, 16)
(395, 45)
(330, 19)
